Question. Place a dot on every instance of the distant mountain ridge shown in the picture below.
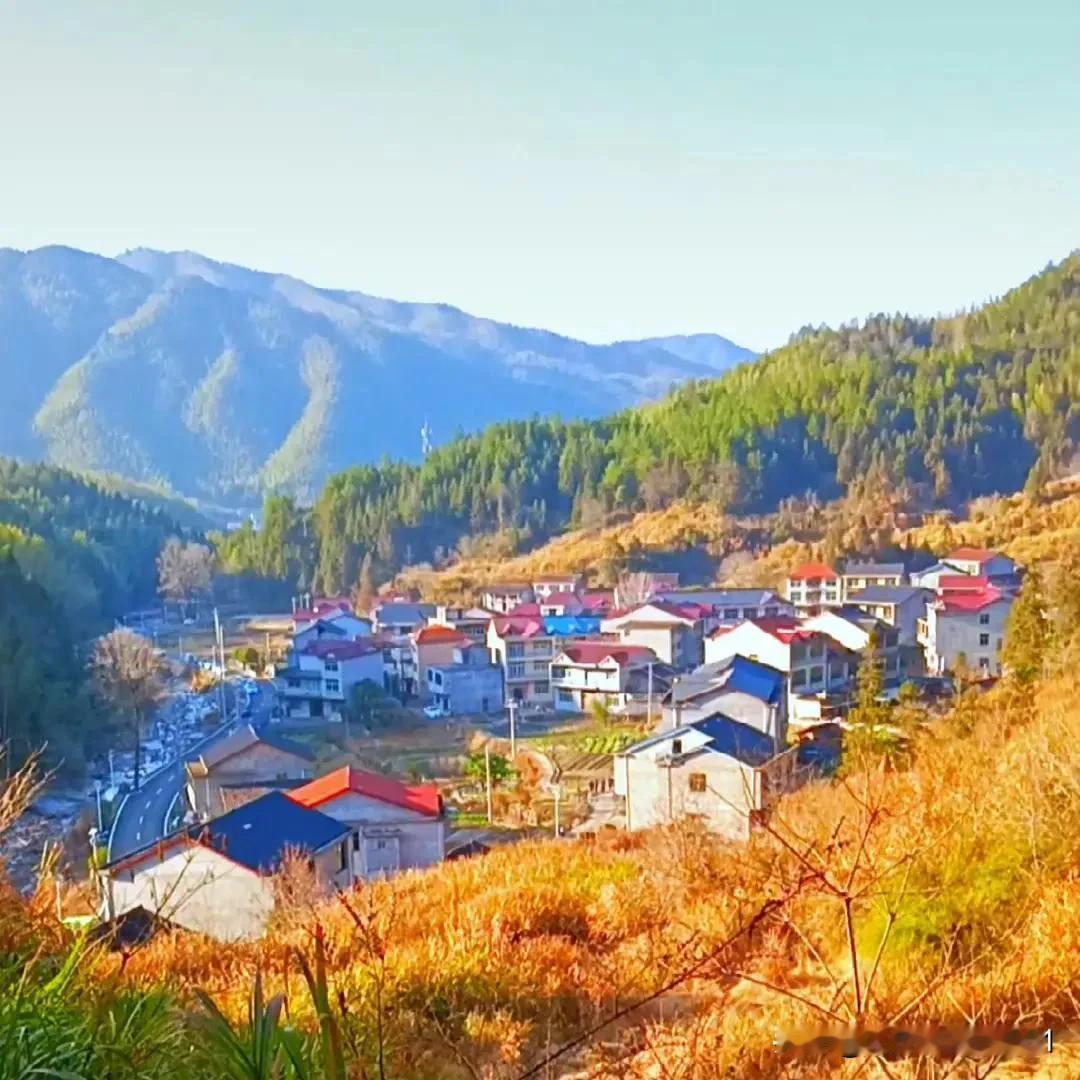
(221, 382)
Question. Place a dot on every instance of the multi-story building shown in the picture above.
(998, 569)
(819, 669)
(857, 576)
(855, 630)
(470, 621)
(471, 684)
(549, 584)
(400, 616)
(812, 587)
(966, 619)
(433, 646)
(503, 597)
(901, 606)
(320, 678)
(672, 631)
(723, 773)
(523, 646)
(586, 672)
(731, 606)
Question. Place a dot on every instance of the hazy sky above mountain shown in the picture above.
(605, 169)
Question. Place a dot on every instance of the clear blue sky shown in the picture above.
(605, 169)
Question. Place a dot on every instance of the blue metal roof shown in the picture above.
(732, 673)
(736, 740)
(571, 625)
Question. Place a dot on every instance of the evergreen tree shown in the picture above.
(1026, 632)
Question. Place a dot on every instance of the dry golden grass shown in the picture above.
(960, 874)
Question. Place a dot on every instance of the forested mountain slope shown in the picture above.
(961, 406)
(224, 383)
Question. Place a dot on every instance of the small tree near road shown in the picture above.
(128, 674)
(185, 571)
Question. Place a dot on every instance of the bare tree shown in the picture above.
(184, 571)
(128, 673)
(634, 589)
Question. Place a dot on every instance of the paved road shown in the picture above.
(143, 815)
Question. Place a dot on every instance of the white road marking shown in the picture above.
(157, 792)
(141, 820)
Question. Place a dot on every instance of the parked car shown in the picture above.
(434, 712)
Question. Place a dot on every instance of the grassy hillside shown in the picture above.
(942, 890)
(947, 409)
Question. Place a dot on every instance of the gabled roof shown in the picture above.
(509, 626)
(596, 652)
(812, 571)
(421, 798)
(736, 740)
(339, 650)
(598, 600)
(973, 554)
(397, 611)
(256, 835)
(439, 635)
(784, 628)
(321, 626)
(659, 612)
(239, 742)
(324, 609)
(887, 594)
(724, 736)
(721, 598)
(563, 597)
(873, 569)
(963, 595)
(736, 673)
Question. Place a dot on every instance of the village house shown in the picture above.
(433, 646)
(930, 577)
(550, 584)
(320, 678)
(245, 758)
(394, 826)
(586, 672)
(523, 646)
(322, 608)
(557, 603)
(218, 878)
(745, 690)
(728, 607)
(998, 569)
(597, 601)
(901, 606)
(812, 587)
(400, 617)
(819, 669)
(470, 621)
(854, 630)
(470, 685)
(965, 619)
(672, 631)
(503, 597)
(857, 576)
(717, 771)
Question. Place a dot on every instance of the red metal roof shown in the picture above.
(508, 626)
(563, 597)
(422, 798)
(598, 599)
(973, 554)
(813, 571)
(525, 611)
(968, 594)
(439, 635)
(593, 652)
(329, 649)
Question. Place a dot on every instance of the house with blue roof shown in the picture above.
(717, 771)
(219, 878)
(745, 690)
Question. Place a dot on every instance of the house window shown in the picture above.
(541, 688)
(566, 697)
(984, 619)
(984, 640)
(333, 686)
(731, 613)
(356, 841)
(294, 683)
(558, 673)
(984, 663)
(749, 612)
(331, 665)
(697, 781)
(515, 649)
(343, 855)
(380, 845)
(515, 671)
(772, 611)
(676, 746)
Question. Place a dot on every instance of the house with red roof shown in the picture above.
(997, 568)
(395, 826)
(966, 618)
(610, 672)
(812, 587)
(320, 677)
(673, 632)
(433, 646)
(522, 647)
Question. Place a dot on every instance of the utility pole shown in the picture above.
(487, 771)
(512, 708)
(649, 706)
(112, 771)
(97, 792)
(557, 791)
(220, 643)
